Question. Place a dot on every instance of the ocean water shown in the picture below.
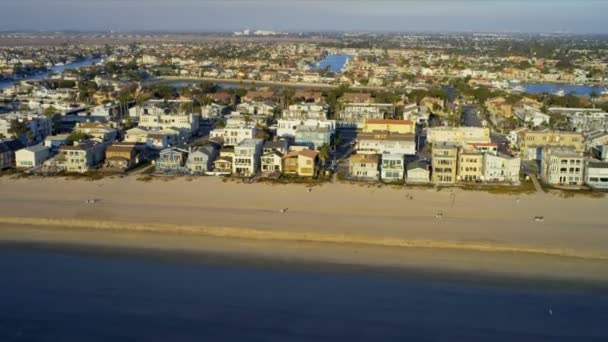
(553, 88)
(49, 294)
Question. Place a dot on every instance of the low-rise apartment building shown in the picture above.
(386, 143)
(532, 143)
(470, 165)
(501, 168)
(459, 136)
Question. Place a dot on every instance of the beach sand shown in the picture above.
(334, 223)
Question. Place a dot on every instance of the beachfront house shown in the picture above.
(470, 165)
(272, 162)
(201, 158)
(501, 168)
(393, 167)
(100, 131)
(418, 172)
(562, 166)
(247, 157)
(172, 160)
(81, 157)
(364, 166)
(306, 111)
(445, 163)
(303, 163)
(123, 156)
(280, 146)
(596, 174)
(33, 156)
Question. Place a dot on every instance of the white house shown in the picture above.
(232, 135)
(306, 110)
(562, 166)
(287, 127)
(201, 158)
(392, 167)
(247, 157)
(386, 143)
(418, 172)
(596, 174)
(501, 168)
(531, 116)
(32, 156)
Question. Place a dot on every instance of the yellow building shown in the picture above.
(303, 163)
(458, 135)
(391, 126)
(445, 163)
(499, 106)
(531, 142)
(470, 165)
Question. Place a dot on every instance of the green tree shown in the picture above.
(77, 136)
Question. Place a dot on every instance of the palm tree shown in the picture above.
(324, 153)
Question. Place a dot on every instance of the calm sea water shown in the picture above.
(47, 295)
(551, 88)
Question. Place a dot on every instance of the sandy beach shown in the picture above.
(336, 223)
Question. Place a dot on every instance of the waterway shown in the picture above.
(58, 69)
(554, 88)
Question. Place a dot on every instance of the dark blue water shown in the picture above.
(335, 62)
(551, 88)
(74, 296)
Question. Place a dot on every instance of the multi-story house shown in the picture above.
(392, 167)
(286, 128)
(232, 135)
(532, 143)
(32, 156)
(303, 163)
(36, 127)
(501, 168)
(81, 157)
(313, 137)
(470, 165)
(306, 111)
(364, 166)
(418, 172)
(355, 114)
(383, 142)
(445, 163)
(123, 156)
(562, 166)
(201, 158)
(596, 174)
(247, 157)
(172, 160)
(272, 161)
(97, 130)
(258, 108)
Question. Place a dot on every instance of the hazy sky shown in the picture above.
(575, 16)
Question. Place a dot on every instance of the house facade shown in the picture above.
(418, 172)
(383, 142)
(470, 165)
(596, 174)
(201, 158)
(172, 160)
(303, 163)
(392, 167)
(445, 163)
(501, 168)
(83, 156)
(32, 156)
(364, 166)
(532, 143)
(247, 155)
(562, 166)
(388, 125)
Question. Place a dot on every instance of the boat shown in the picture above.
(560, 93)
(519, 89)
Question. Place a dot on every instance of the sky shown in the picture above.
(564, 16)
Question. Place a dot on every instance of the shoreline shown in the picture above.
(480, 233)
